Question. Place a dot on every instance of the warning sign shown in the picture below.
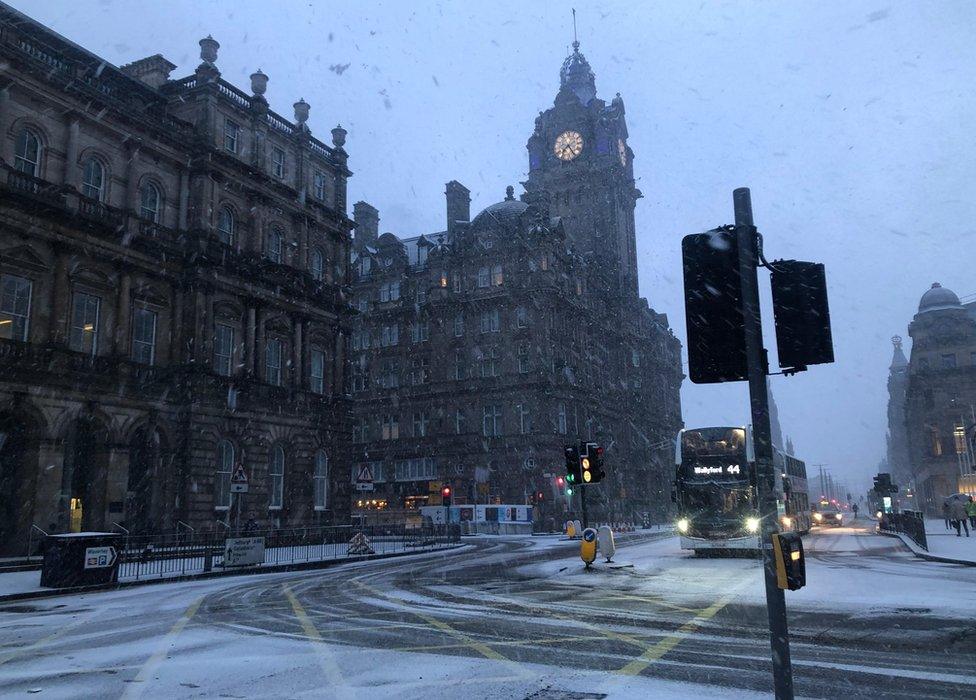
(364, 479)
(238, 481)
(359, 544)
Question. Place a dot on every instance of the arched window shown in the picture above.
(27, 156)
(320, 480)
(225, 467)
(276, 473)
(93, 185)
(225, 225)
(316, 264)
(273, 246)
(150, 201)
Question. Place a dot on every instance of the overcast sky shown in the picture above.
(852, 122)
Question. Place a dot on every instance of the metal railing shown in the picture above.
(910, 523)
(190, 553)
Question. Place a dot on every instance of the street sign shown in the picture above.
(238, 481)
(243, 551)
(364, 479)
(99, 557)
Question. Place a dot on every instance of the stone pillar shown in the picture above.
(132, 178)
(120, 344)
(71, 178)
(250, 367)
(184, 199)
(303, 235)
(59, 302)
(297, 354)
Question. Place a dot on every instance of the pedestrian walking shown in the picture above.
(945, 513)
(971, 512)
(959, 516)
(854, 508)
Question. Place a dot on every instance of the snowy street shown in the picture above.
(515, 617)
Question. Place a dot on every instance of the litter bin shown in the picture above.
(80, 559)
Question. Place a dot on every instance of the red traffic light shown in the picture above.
(446, 491)
(560, 481)
(539, 495)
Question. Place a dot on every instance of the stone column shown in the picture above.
(120, 344)
(71, 178)
(250, 367)
(297, 354)
(132, 178)
(59, 302)
(184, 199)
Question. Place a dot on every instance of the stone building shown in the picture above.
(897, 461)
(485, 348)
(940, 398)
(172, 257)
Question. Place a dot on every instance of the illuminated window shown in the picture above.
(959, 435)
(84, 323)
(15, 301)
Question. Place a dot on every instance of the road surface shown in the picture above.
(511, 618)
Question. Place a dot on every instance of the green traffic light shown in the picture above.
(569, 492)
(569, 478)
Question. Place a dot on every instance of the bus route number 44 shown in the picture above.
(728, 469)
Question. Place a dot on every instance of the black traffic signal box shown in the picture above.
(591, 463)
(801, 312)
(574, 473)
(791, 569)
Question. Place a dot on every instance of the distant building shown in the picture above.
(485, 348)
(940, 398)
(172, 255)
(897, 460)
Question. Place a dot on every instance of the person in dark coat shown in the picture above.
(959, 516)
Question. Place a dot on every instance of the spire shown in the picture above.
(898, 359)
(576, 74)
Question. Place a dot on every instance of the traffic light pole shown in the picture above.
(759, 402)
(586, 520)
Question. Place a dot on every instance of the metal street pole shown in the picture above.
(762, 440)
(586, 522)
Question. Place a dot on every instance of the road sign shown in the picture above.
(238, 481)
(364, 479)
(99, 557)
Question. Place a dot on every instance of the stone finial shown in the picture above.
(339, 136)
(301, 112)
(896, 341)
(208, 49)
(259, 83)
(509, 193)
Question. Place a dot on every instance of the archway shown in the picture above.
(86, 453)
(18, 474)
(147, 450)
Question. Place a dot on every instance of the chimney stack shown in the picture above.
(367, 218)
(458, 204)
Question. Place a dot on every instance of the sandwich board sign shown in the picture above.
(364, 479)
(238, 481)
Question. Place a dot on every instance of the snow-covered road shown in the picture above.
(511, 618)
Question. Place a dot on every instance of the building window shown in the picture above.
(457, 282)
(390, 427)
(959, 436)
(935, 442)
(150, 202)
(544, 261)
(491, 425)
(497, 278)
(84, 323)
(226, 225)
(359, 374)
(93, 180)
(459, 325)
(949, 360)
(484, 277)
(389, 336)
(561, 419)
(524, 360)
(272, 250)
(459, 421)
(232, 135)
(223, 349)
(318, 185)
(459, 365)
(277, 162)
(490, 322)
(422, 251)
(489, 363)
(389, 291)
(420, 331)
(225, 468)
(421, 294)
(421, 419)
(316, 264)
(272, 362)
(525, 419)
(316, 375)
(276, 473)
(320, 481)
(27, 157)
(15, 301)
(420, 371)
(359, 429)
(389, 374)
(635, 358)
(521, 317)
(143, 336)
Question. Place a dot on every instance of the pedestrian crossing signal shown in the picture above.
(791, 569)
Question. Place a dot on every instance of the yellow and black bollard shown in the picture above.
(588, 546)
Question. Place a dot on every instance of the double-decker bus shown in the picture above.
(715, 490)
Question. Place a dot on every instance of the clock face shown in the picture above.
(569, 144)
(622, 151)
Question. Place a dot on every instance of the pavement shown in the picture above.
(512, 618)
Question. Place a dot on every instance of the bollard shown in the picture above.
(605, 542)
(570, 530)
(588, 546)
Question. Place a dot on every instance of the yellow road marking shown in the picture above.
(323, 653)
(19, 651)
(136, 687)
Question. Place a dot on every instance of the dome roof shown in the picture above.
(505, 212)
(938, 298)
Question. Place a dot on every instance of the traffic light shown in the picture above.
(560, 482)
(791, 569)
(713, 307)
(883, 485)
(573, 472)
(539, 497)
(446, 495)
(591, 463)
(801, 313)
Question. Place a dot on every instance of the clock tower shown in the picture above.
(579, 157)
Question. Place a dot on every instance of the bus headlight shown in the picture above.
(752, 524)
(839, 516)
(818, 517)
(878, 515)
(787, 522)
(683, 525)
